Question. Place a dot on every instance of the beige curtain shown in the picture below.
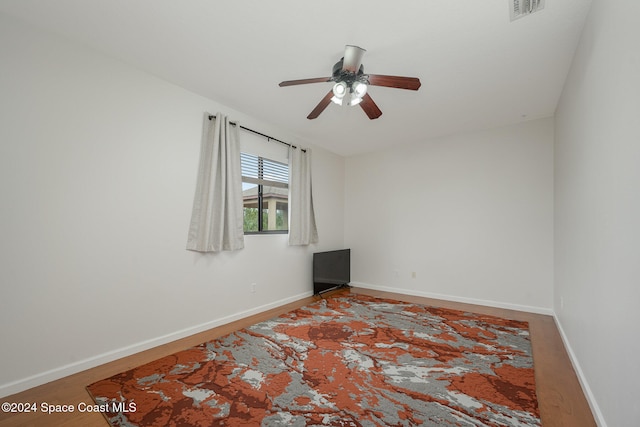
(217, 216)
(302, 220)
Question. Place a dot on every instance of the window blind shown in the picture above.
(261, 171)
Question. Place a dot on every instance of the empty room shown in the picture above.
(335, 213)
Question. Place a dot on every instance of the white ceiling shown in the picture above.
(478, 69)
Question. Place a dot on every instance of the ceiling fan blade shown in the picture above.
(370, 107)
(321, 106)
(304, 81)
(410, 83)
(352, 58)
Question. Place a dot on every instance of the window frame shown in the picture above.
(260, 182)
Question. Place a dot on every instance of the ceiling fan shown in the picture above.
(351, 84)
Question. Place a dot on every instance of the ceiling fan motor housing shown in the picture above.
(340, 75)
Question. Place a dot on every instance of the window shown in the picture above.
(265, 194)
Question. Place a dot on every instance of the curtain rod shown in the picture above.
(260, 133)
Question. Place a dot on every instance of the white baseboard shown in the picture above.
(488, 303)
(73, 368)
(595, 409)
(91, 362)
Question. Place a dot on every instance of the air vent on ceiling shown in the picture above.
(522, 8)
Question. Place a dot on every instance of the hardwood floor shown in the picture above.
(560, 397)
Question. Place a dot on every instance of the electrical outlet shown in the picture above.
(413, 274)
(253, 288)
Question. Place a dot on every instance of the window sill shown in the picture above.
(257, 233)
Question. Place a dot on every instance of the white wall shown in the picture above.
(597, 218)
(471, 215)
(98, 167)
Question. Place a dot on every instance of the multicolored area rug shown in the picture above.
(348, 361)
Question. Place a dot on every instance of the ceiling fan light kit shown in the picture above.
(355, 91)
(351, 84)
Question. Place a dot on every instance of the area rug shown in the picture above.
(348, 361)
